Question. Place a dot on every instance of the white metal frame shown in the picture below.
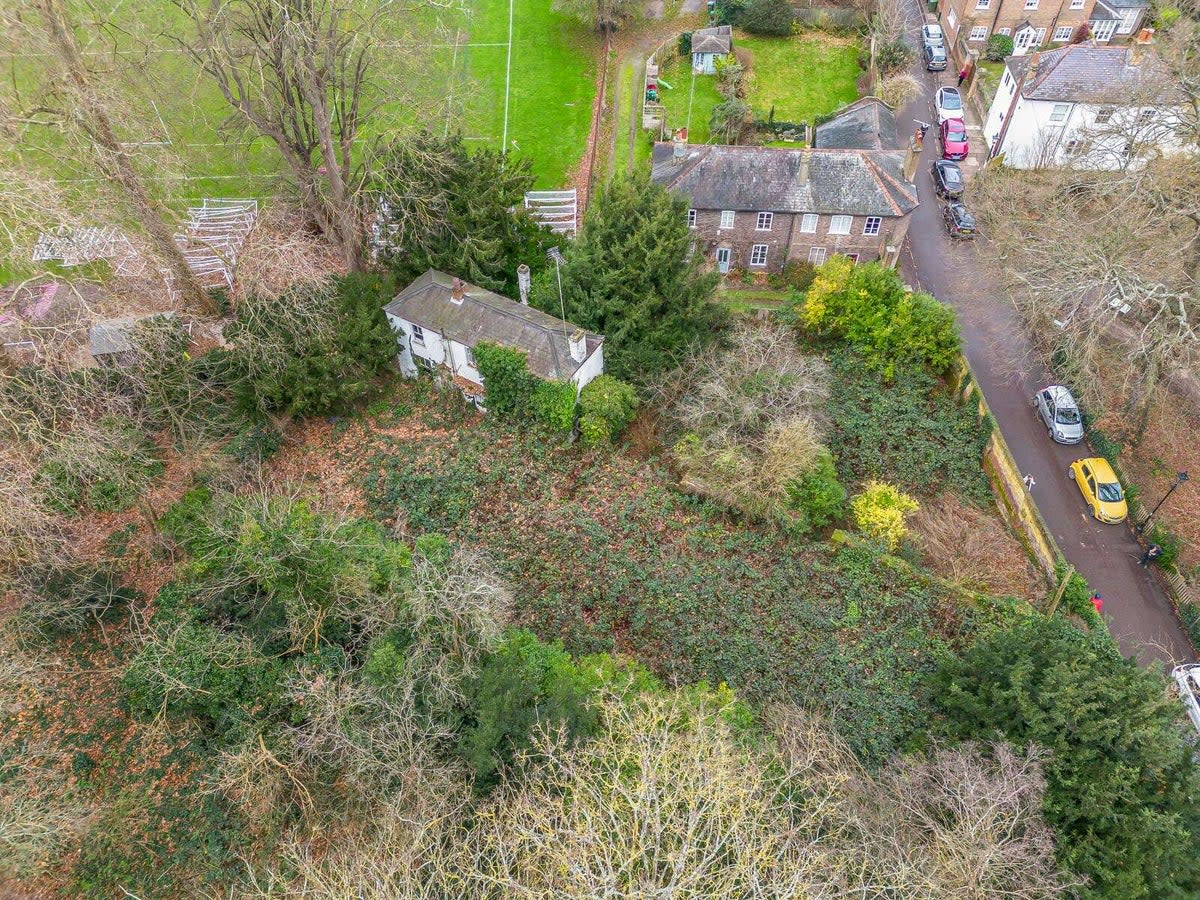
(557, 210)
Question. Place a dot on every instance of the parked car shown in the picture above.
(935, 58)
(947, 179)
(953, 135)
(959, 223)
(1098, 483)
(947, 103)
(932, 35)
(1187, 681)
(1060, 414)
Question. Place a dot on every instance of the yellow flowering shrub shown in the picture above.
(879, 512)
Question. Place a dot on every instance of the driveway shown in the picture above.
(1138, 612)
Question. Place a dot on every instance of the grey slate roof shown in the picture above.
(112, 335)
(712, 40)
(866, 124)
(848, 182)
(485, 316)
(1090, 73)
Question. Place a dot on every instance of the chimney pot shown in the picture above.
(457, 290)
(523, 283)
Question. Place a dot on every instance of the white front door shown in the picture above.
(1023, 41)
(723, 254)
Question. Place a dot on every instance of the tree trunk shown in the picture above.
(115, 163)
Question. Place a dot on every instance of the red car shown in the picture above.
(953, 134)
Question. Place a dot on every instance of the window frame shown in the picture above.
(854, 257)
(1039, 37)
(759, 250)
(835, 220)
(729, 215)
(980, 30)
(817, 255)
(1058, 30)
(691, 218)
(769, 220)
(983, 4)
(1104, 114)
(805, 218)
(1076, 4)
(469, 357)
(417, 335)
(1066, 112)
(1136, 12)
(877, 221)
(1007, 32)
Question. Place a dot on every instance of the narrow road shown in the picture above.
(1009, 373)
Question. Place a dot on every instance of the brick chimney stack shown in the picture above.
(457, 290)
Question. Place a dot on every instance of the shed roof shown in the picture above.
(866, 124)
(112, 335)
(848, 182)
(486, 316)
(712, 40)
(1092, 73)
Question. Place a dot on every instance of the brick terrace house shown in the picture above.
(1032, 23)
(759, 207)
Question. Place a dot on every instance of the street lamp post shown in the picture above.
(1180, 478)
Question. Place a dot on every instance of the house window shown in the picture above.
(727, 218)
(1007, 79)
(1145, 117)
(1006, 32)
(978, 33)
(816, 255)
(1105, 114)
(425, 363)
(1058, 114)
(1062, 33)
(840, 224)
(951, 19)
(1031, 4)
(1073, 147)
(853, 257)
(1129, 18)
(469, 357)
(1102, 29)
(691, 218)
(983, 4)
(1076, 4)
(758, 255)
(872, 225)
(764, 221)
(808, 224)
(418, 335)
(1039, 37)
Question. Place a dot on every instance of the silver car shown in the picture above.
(1060, 414)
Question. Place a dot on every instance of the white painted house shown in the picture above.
(1086, 106)
(438, 319)
(708, 45)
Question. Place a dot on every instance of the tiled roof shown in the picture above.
(1090, 73)
(848, 182)
(712, 40)
(866, 124)
(485, 316)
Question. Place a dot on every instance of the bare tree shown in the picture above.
(297, 73)
(76, 100)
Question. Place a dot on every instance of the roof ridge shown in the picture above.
(875, 171)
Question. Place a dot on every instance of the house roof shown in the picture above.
(112, 335)
(712, 40)
(850, 182)
(866, 124)
(1090, 73)
(485, 316)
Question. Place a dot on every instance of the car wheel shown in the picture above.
(1071, 474)
(1050, 431)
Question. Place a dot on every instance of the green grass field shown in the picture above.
(453, 79)
(677, 72)
(805, 76)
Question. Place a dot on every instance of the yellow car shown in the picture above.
(1098, 483)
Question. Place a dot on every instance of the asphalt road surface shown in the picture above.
(1138, 612)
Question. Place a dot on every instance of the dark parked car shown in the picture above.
(947, 179)
(959, 222)
(935, 58)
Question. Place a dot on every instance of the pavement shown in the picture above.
(1009, 372)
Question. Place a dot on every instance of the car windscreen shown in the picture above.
(951, 176)
(1066, 416)
(951, 101)
(1109, 493)
(957, 135)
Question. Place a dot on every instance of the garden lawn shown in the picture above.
(805, 76)
(677, 72)
(603, 552)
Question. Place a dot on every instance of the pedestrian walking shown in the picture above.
(962, 75)
(1098, 602)
(1152, 553)
(1029, 482)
